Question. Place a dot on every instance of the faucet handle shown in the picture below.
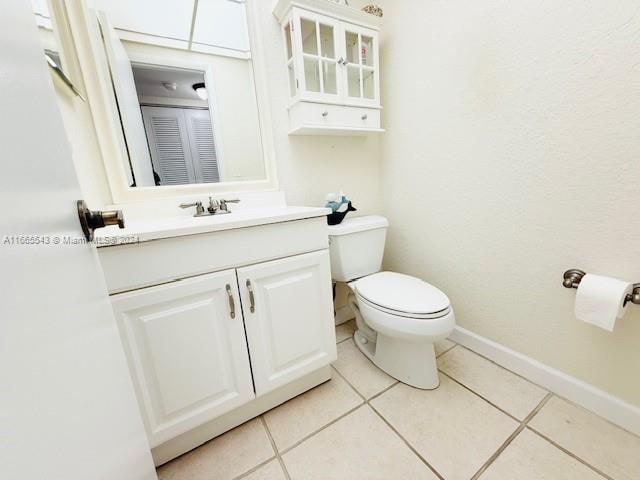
(198, 205)
(223, 203)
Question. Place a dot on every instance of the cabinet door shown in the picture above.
(360, 71)
(288, 312)
(316, 44)
(187, 352)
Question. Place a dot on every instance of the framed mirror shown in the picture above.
(187, 111)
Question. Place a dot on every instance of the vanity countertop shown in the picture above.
(154, 229)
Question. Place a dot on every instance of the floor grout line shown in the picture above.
(447, 350)
(404, 440)
(568, 452)
(307, 437)
(253, 469)
(510, 438)
(503, 367)
(275, 448)
(523, 424)
(480, 396)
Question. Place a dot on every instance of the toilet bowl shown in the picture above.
(398, 317)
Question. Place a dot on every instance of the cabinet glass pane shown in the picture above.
(292, 80)
(326, 41)
(351, 40)
(353, 81)
(309, 38)
(287, 35)
(312, 74)
(329, 77)
(368, 83)
(366, 50)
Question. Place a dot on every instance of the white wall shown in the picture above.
(512, 153)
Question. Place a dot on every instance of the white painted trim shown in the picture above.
(598, 401)
(343, 314)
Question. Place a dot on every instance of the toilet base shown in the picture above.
(413, 363)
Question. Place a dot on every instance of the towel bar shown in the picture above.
(572, 278)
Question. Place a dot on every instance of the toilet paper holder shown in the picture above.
(572, 278)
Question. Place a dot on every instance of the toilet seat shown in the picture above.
(402, 295)
(417, 316)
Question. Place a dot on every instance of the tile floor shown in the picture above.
(483, 422)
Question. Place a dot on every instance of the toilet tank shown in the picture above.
(356, 247)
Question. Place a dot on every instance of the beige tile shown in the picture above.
(224, 457)
(306, 413)
(504, 389)
(530, 457)
(360, 371)
(591, 438)
(270, 471)
(443, 346)
(453, 429)
(345, 330)
(359, 446)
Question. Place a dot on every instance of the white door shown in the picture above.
(288, 314)
(67, 405)
(187, 352)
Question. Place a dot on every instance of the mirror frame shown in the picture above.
(107, 124)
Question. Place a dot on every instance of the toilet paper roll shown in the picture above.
(600, 300)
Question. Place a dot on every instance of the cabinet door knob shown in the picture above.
(325, 113)
(364, 117)
(232, 303)
(252, 300)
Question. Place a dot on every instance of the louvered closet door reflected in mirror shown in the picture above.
(182, 145)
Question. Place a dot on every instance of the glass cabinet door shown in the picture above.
(361, 70)
(319, 62)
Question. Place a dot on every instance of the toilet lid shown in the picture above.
(402, 293)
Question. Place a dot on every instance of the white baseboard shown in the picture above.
(598, 401)
(343, 314)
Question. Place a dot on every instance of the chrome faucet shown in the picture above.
(216, 207)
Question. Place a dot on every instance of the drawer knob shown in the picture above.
(364, 117)
(325, 113)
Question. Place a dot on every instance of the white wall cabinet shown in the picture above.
(332, 59)
(285, 304)
(208, 351)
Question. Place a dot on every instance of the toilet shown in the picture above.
(398, 317)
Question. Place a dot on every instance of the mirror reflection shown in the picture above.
(178, 127)
(188, 110)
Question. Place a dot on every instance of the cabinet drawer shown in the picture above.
(309, 116)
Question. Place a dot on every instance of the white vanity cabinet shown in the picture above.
(186, 347)
(219, 327)
(285, 304)
(332, 61)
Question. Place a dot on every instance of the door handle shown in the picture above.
(252, 299)
(232, 303)
(91, 220)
